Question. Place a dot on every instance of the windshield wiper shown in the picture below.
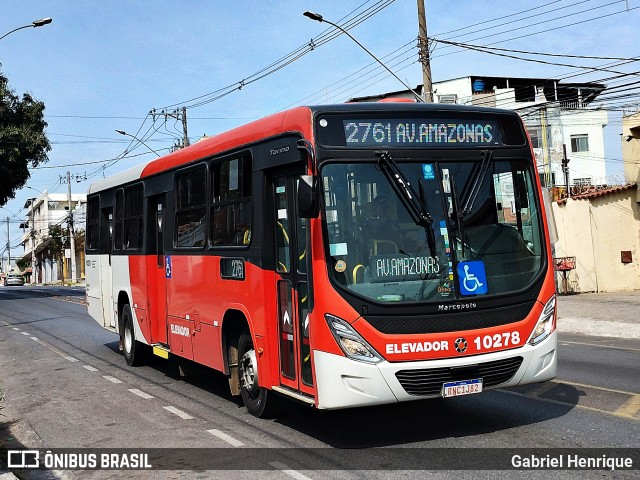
(457, 213)
(478, 181)
(416, 207)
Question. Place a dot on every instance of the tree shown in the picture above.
(57, 241)
(23, 142)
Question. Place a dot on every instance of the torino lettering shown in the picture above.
(404, 266)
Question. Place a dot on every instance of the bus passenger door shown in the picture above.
(159, 273)
(106, 274)
(291, 284)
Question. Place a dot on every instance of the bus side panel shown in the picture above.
(122, 286)
(94, 289)
(109, 311)
(139, 274)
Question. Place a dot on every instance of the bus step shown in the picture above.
(161, 351)
(301, 397)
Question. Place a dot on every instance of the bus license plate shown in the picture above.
(463, 387)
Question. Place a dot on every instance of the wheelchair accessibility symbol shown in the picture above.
(472, 277)
(167, 266)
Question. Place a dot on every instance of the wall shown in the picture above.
(595, 231)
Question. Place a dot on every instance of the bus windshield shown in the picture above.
(485, 219)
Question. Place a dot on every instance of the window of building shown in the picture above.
(448, 98)
(579, 143)
(133, 199)
(231, 202)
(191, 207)
(93, 224)
(536, 137)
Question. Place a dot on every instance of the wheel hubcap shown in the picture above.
(248, 372)
(128, 340)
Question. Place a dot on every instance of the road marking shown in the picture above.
(16, 328)
(286, 469)
(631, 407)
(569, 404)
(583, 385)
(70, 358)
(601, 346)
(25, 333)
(111, 379)
(140, 393)
(227, 438)
(35, 339)
(177, 412)
(7, 324)
(90, 368)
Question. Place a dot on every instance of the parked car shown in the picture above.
(14, 279)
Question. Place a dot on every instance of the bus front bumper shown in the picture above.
(344, 383)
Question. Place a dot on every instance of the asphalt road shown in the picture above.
(67, 386)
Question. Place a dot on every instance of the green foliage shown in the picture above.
(23, 142)
(58, 240)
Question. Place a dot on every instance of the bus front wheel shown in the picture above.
(259, 401)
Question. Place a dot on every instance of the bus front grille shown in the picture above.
(429, 381)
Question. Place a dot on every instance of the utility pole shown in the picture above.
(184, 126)
(424, 53)
(33, 245)
(565, 169)
(72, 239)
(181, 116)
(8, 246)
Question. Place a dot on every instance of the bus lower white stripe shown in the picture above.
(140, 393)
(177, 412)
(227, 438)
(286, 469)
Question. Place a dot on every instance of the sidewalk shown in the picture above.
(615, 314)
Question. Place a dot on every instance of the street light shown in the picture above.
(122, 132)
(317, 17)
(34, 24)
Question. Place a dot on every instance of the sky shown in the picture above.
(102, 66)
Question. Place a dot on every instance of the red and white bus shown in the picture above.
(342, 255)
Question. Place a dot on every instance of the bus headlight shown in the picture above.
(546, 323)
(352, 344)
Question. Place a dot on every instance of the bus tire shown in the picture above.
(131, 348)
(260, 402)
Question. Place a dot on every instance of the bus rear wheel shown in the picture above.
(132, 349)
(259, 401)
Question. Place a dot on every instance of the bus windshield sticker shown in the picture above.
(341, 266)
(472, 278)
(336, 249)
(386, 268)
(428, 172)
(282, 214)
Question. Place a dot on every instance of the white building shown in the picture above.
(42, 212)
(554, 112)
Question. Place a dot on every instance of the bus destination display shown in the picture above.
(391, 132)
